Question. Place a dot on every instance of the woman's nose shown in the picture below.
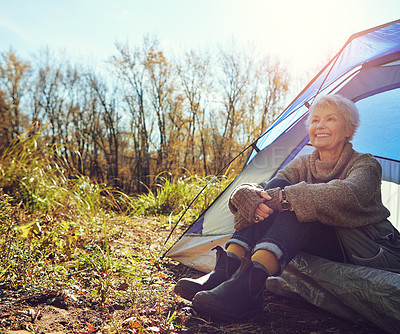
(321, 124)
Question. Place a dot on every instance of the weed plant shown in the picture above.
(42, 182)
(60, 234)
(174, 197)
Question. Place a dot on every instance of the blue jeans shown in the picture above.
(283, 235)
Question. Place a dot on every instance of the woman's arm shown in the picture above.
(351, 201)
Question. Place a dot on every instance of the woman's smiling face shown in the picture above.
(328, 132)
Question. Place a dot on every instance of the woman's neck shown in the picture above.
(330, 155)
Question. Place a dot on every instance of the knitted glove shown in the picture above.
(274, 203)
(239, 223)
(244, 201)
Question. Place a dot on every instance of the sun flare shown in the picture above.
(305, 34)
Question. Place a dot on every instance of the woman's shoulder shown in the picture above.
(363, 156)
(300, 161)
(366, 159)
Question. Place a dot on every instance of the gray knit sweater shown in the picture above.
(345, 192)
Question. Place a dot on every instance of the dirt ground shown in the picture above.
(56, 313)
(59, 312)
(52, 313)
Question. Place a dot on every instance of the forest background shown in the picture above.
(144, 112)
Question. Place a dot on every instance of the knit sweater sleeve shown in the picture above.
(352, 200)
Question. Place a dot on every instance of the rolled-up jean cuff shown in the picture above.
(270, 247)
(238, 242)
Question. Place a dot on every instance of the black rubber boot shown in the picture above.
(237, 298)
(225, 266)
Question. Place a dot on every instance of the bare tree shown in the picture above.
(49, 94)
(274, 85)
(80, 123)
(234, 74)
(161, 77)
(129, 68)
(107, 137)
(267, 92)
(194, 74)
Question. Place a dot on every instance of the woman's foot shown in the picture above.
(237, 298)
(226, 265)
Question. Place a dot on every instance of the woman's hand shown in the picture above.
(263, 211)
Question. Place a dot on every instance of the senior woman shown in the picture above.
(327, 203)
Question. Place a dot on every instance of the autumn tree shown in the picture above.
(267, 91)
(233, 74)
(48, 93)
(274, 84)
(150, 113)
(129, 68)
(81, 123)
(160, 79)
(13, 76)
(106, 135)
(5, 126)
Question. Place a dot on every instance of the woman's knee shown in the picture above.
(277, 182)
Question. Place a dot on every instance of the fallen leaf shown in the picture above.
(90, 327)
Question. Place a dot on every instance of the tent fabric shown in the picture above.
(361, 48)
(367, 71)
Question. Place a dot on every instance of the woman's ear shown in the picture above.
(349, 132)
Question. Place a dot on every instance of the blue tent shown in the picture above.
(367, 71)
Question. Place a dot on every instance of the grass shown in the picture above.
(61, 235)
(42, 182)
(174, 197)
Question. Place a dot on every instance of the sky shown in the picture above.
(302, 34)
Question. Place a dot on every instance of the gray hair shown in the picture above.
(342, 104)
